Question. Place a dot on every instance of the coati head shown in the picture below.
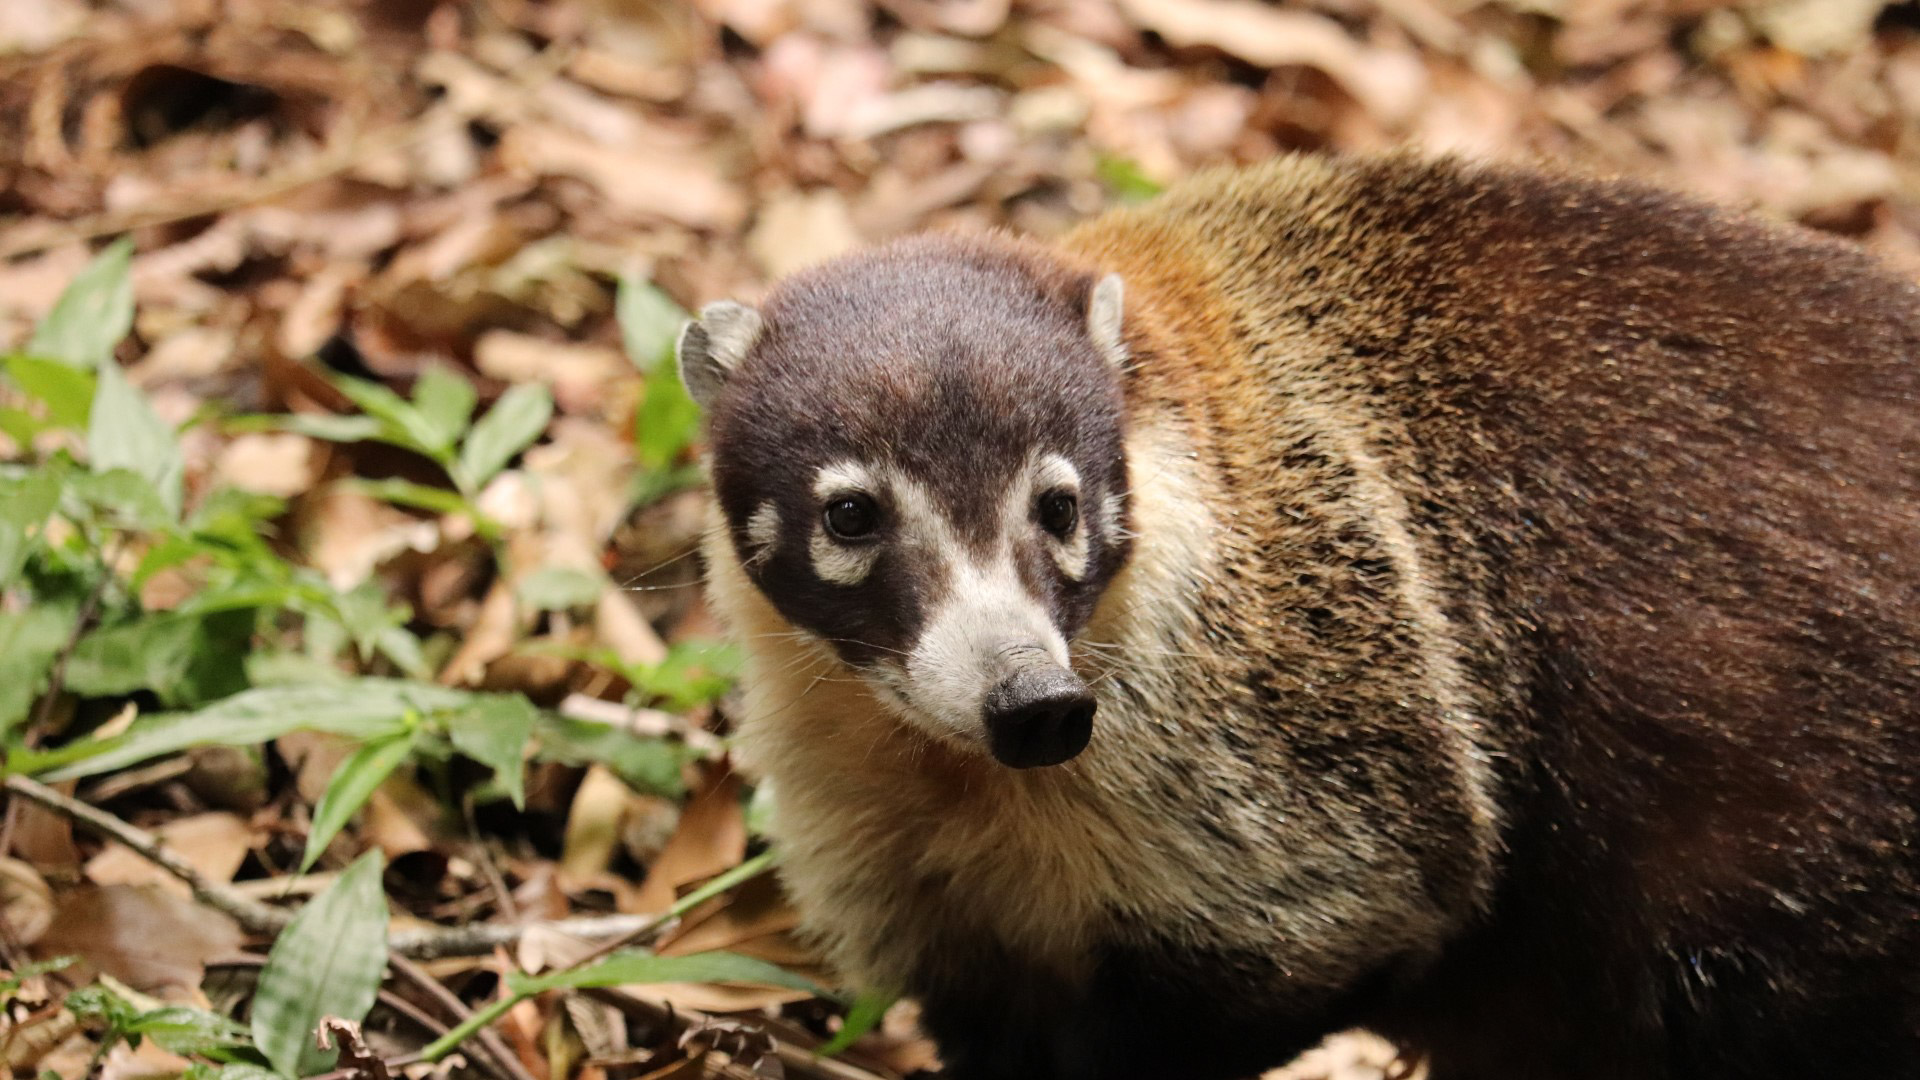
(917, 452)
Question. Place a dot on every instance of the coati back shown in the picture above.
(1466, 602)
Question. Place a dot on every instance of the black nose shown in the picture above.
(1039, 716)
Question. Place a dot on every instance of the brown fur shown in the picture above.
(1518, 652)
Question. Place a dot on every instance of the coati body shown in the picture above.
(1498, 592)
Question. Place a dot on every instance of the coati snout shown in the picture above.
(935, 490)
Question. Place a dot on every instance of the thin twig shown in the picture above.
(490, 1041)
(258, 918)
(251, 914)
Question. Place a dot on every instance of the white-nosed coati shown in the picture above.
(1471, 603)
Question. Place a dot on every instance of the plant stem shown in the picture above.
(497, 1008)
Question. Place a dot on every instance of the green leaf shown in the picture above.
(650, 323)
(121, 497)
(124, 433)
(647, 764)
(33, 969)
(1126, 180)
(182, 1029)
(361, 708)
(408, 493)
(25, 504)
(93, 313)
(866, 1011)
(666, 421)
(236, 1071)
(342, 429)
(349, 789)
(559, 588)
(30, 639)
(514, 422)
(445, 400)
(65, 390)
(400, 422)
(495, 731)
(328, 962)
(184, 657)
(631, 966)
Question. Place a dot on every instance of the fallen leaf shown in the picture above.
(214, 844)
(146, 937)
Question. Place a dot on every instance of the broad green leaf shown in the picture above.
(514, 422)
(400, 422)
(25, 504)
(329, 962)
(361, 708)
(495, 731)
(666, 421)
(124, 433)
(66, 391)
(20, 425)
(93, 313)
(182, 1029)
(350, 787)
(632, 966)
(30, 639)
(445, 400)
(122, 497)
(398, 645)
(646, 763)
(862, 1015)
(650, 323)
(185, 657)
(559, 588)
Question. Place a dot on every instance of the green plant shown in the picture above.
(93, 508)
(667, 421)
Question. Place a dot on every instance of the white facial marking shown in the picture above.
(763, 533)
(985, 617)
(833, 561)
(1055, 473)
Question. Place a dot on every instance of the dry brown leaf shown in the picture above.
(26, 901)
(268, 463)
(146, 937)
(657, 181)
(798, 229)
(1387, 83)
(215, 844)
(585, 378)
(593, 825)
(712, 837)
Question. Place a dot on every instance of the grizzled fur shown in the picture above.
(1506, 635)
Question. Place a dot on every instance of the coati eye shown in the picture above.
(850, 517)
(1059, 513)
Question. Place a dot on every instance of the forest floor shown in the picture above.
(356, 225)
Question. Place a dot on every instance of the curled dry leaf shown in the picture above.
(1387, 83)
(26, 901)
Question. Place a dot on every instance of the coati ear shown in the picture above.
(713, 345)
(1103, 321)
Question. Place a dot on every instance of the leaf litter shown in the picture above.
(383, 368)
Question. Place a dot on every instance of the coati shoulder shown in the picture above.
(1470, 602)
